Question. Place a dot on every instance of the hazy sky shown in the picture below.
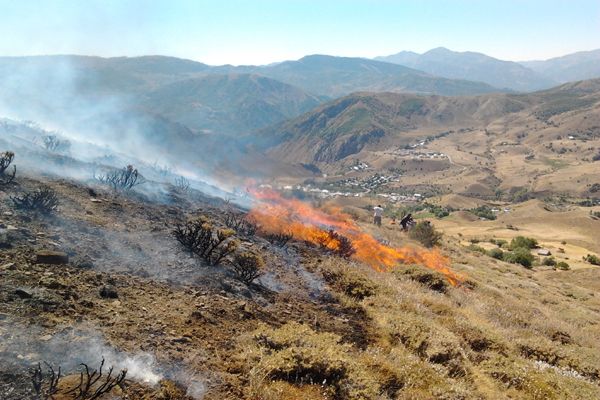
(264, 31)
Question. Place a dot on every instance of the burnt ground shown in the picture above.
(162, 303)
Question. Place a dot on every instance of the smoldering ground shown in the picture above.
(24, 346)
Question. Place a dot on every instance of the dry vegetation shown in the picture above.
(283, 320)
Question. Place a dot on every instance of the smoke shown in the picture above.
(95, 105)
(25, 346)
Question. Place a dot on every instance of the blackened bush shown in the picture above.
(248, 266)
(43, 201)
(53, 143)
(339, 244)
(241, 223)
(201, 238)
(123, 179)
(182, 184)
(425, 233)
(6, 160)
(279, 239)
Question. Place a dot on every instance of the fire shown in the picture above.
(276, 214)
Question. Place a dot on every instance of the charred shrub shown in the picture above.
(123, 179)
(53, 143)
(6, 160)
(339, 245)
(94, 385)
(203, 239)
(45, 386)
(42, 201)
(240, 223)
(182, 184)
(248, 266)
(279, 239)
(425, 233)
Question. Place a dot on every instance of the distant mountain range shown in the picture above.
(572, 67)
(338, 76)
(473, 66)
(165, 97)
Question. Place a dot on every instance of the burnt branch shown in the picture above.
(43, 201)
(241, 223)
(6, 160)
(123, 179)
(45, 386)
(93, 385)
(343, 246)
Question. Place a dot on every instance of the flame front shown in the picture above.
(276, 214)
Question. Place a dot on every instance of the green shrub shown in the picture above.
(483, 212)
(520, 255)
(549, 261)
(592, 259)
(563, 266)
(523, 242)
(477, 249)
(499, 242)
(496, 253)
(425, 233)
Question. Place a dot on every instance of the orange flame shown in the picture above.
(276, 214)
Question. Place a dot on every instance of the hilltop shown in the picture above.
(475, 66)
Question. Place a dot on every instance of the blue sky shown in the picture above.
(264, 31)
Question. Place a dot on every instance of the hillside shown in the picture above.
(104, 277)
(228, 103)
(475, 66)
(470, 145)
(571, 67)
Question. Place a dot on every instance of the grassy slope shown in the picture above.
(507, 332)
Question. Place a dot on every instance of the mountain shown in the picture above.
(473, 66)
(338, 76)
(76, 88)
(229, 103)
(371, 121)
(572, 67)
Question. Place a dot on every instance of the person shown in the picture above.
(377, 213)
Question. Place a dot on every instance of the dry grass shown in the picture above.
(513, 333)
